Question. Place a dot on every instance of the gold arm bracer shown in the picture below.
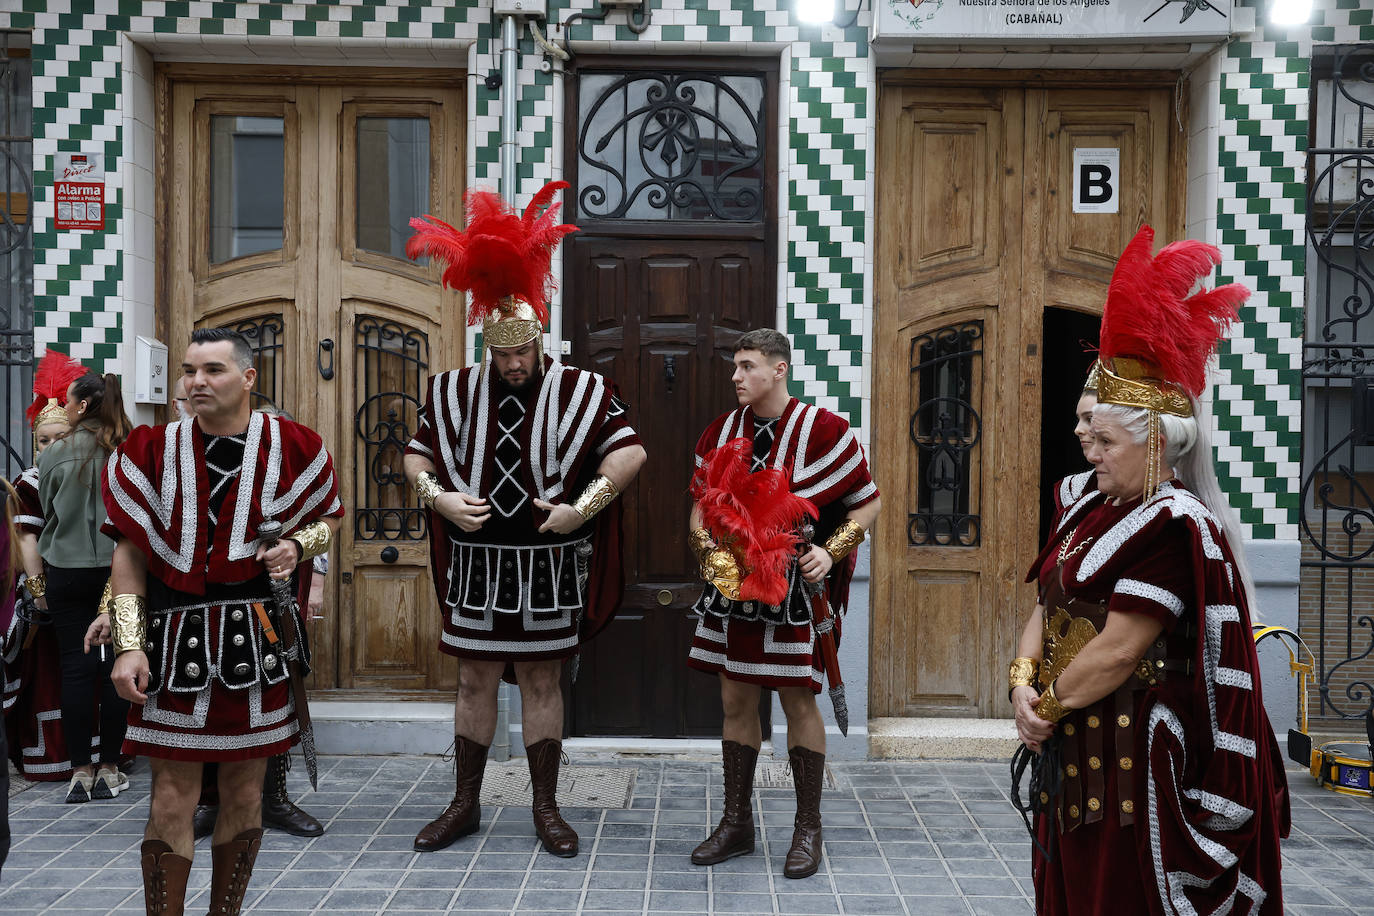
(849, 535)
(1022, 673)
(427, 488)
(314, 540)
(129, 623)
(106, 605)
(598, 495)
(702, 544)
(1049, 708)
(36, 586)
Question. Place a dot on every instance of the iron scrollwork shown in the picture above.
(1336, 512)
(16, 250)
(946, 429)
(674, 145)
(267, 338)
(393, 361)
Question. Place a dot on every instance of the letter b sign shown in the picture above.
(1096, 180)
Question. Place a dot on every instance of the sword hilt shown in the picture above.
(269, 534)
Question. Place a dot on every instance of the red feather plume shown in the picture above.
(51, 379)
(1150, 316)
(755, 513)
(500, 254)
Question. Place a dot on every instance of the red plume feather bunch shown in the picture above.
(756, 513)
(1150, 316)
(500, 253)
(51, 379)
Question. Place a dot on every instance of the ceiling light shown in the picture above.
(1290, 12)
(816, 11)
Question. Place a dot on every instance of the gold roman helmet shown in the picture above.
(502, 260)
(1157, 334)
(51, 379)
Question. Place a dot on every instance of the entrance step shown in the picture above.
(350, 727)
(942, 739)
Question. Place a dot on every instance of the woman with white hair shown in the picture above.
(1157, 784)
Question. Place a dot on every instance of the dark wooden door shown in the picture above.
(657, 290)
(661, 318)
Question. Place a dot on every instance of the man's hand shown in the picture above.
(563, 518)
(130, 676)
(1030, 728)
(281, 559)
(815, 563)
(314, 603)
(98, 633)
(467, 512)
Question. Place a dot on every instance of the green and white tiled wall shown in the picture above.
(1263, 107)
(826, 88)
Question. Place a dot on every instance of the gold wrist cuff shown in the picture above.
(1049, 708)
(1022, 673)
(313, 539)
(846, 537)
(702, 543)
(427, 488)
(106, 605)
(598, 495)
(129, 623)
(36, 586)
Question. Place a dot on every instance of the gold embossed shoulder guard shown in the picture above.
(314, 539)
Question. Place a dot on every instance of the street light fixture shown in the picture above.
(1290, 12)
(816, 11)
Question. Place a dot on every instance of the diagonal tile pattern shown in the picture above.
(901, 838)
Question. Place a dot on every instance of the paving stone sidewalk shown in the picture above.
(907, 838)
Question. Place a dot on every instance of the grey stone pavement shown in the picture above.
(901, 837)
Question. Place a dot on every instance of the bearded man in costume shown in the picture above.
(32, 669)
(756, 626)
(206, 653)
(1156, 781)
(515, 458)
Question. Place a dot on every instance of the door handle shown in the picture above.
(664, 597)
(390, 554)
(669, 372)
(326, 349)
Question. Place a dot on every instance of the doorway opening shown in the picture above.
(1068, 351)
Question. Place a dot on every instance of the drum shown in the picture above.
(1344, 767)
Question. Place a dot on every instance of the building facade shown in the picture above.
(895, 191)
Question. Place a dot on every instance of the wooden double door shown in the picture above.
(989, 288)
(284, 206)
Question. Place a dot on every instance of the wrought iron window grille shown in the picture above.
(393, 366)
(946, 429)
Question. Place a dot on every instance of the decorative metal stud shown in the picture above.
(270, 662)
(241, 669)
(1094, 721)
(238, 639)
(1094, 763)
(1123, 720)
(193, 643)
(1128, 806)
(192, 669)
(1094, 804)
(237, 615)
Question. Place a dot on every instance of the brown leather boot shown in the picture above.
(231, 867)
(808, 773)
(164, 879)
(464, 814)
(554, 832)
(734, 835)
(278, 811)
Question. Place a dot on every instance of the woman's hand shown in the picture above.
(1030, 728)
(98, 633)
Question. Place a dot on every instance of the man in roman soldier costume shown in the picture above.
(32, 671)
(1156, 781)
(209, 651)
(760, 470)
(515, 457)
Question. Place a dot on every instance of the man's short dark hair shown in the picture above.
(772, 344)
(243, 350)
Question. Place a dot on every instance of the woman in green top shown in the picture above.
(76, 562)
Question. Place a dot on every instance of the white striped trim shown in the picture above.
(1162, 597)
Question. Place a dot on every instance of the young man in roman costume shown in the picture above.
(753, 634)
(516, 457)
